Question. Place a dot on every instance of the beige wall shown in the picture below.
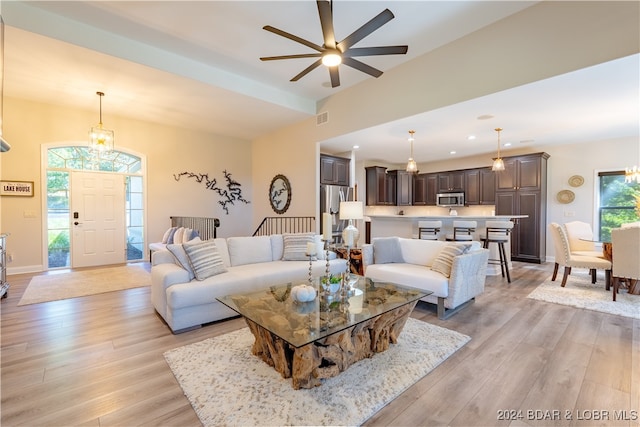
(168, 150)
(544, 40)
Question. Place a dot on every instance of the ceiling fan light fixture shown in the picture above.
(411, 164)
(331, 59)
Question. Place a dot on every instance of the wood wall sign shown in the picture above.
(16, 188)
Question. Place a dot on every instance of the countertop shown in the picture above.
(449, 217)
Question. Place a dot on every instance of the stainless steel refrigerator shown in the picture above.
(330, 198)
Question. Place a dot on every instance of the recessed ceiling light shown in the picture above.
(355, 147)
(485, 117)
(452, 152)
(527, 141)
(471, 137)
(508, 144)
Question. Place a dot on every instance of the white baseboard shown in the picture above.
(25, 269)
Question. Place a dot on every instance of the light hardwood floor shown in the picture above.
(97, 361)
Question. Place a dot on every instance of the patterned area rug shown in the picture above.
(227, 385)
(57, 286)
(581, 293)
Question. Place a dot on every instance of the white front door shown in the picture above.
(97, 219)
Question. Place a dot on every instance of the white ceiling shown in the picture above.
(195, 65)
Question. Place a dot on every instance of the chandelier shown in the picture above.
(632, 174)
(411, 164)
(100, 139)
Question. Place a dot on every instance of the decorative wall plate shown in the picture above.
(576, 181)
(566, 196)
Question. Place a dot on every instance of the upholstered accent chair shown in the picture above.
(626, 260)
(580, 235)
(564, 257)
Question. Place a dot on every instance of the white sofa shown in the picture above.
(409, 262)
(252, 263)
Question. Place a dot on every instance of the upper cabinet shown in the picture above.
(381, 186)
(479, 186)
(450, 181)
(334, 170)
(404, 188)
(425, 188)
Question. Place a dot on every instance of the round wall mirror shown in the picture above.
(280, 194)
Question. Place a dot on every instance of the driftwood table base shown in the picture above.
(327, 357)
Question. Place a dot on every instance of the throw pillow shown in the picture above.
(178, 252)
(444, 261)
(169, 232)
(295, 246)
(386, 250)
(204, 258)
(178, 236)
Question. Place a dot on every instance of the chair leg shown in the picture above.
(593, 275)
(607, 279)
(567, 272)
(503, 261)
(616, 285)
(555, 272)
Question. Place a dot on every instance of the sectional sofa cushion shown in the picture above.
(249, 250)
(204, 258)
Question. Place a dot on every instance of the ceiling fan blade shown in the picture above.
(354, 63)
(307, 70)
(294, 38)
(335, 76)
(302, 55)
(378, 50)
(326, 21)
(368, 28)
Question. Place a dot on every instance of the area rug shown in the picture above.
(228, 386)
(581, 293)
(58, 286)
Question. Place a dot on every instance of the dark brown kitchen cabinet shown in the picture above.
(381, 186)
(334, 170)
(487, 187)
(472, 187)
(521, 189)
(404, 188)
(425, 188)
(450, 181)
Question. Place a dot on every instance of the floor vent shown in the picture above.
(322, 118)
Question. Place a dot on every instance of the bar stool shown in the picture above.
(428, 230)
(498, 232)
(462, 231)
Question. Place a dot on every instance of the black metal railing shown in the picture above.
(286, 224)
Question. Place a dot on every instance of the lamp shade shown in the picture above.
(351, 210)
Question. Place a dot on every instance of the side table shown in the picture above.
(355, 258)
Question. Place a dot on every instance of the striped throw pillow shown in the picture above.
(204, 258)
(295, 246)
(444, 261)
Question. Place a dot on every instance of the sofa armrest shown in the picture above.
(468, 274)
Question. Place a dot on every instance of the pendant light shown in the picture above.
(100, 139)
(411, 164)
(498, 163)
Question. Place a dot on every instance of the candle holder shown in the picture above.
(327, 271)
(311, 255)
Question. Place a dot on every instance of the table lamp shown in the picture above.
(351, 211)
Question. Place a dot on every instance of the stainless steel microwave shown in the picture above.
(450, 199)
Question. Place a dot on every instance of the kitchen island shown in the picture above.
(407, 226)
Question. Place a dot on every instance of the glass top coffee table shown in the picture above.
(319, 339)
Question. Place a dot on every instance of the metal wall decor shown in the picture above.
(280, 194)
(228, 194)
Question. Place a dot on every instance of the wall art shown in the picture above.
(16, 188)
(229, 194)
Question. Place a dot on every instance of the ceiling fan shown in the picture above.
(332, 52)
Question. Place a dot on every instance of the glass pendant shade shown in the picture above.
(498, 163)
(101, 140)
(411, 164)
